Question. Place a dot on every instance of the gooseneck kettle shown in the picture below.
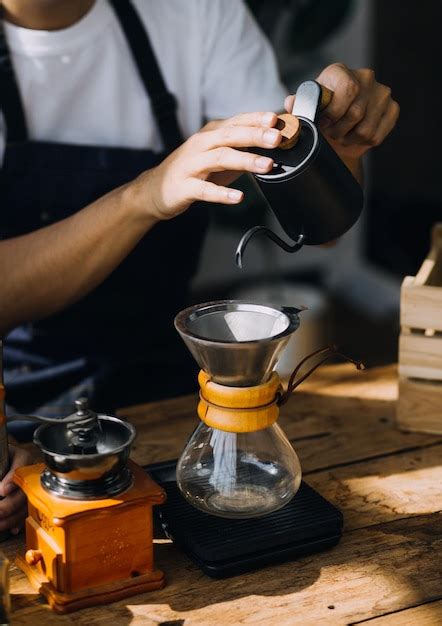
(312, 193)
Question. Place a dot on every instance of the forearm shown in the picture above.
(49, 269)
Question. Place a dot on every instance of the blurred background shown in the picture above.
(352, 290)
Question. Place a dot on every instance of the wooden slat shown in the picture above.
(430, 272)
(373, 571)
(420, 356)
(426, 615)
(421, 306)
(420, 406)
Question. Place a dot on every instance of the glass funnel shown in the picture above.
(238, 475)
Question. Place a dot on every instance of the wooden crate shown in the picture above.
(420, 346)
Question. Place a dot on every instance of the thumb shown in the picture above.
(7, 486)
(17, 459)
(288, 103)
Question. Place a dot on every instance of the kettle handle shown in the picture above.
(290, 126)
(311, 98)
(326, 97)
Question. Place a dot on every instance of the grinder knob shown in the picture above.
(82, 406)
(33, 557)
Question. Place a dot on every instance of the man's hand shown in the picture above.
(13, 506)
(199, 169)
(361, 114)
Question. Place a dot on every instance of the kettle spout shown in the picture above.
(270, 235)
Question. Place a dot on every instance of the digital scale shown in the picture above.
(223, 547)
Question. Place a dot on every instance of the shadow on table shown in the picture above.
(188, 588)
(370, 561)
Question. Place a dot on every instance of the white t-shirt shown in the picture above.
(80, 85)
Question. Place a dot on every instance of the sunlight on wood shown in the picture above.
(257, 609)
(411, 493)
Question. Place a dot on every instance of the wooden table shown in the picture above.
(387, 568)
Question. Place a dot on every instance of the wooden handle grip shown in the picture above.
(33, 557)
(290, 126)
(326, 97)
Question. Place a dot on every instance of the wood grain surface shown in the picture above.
(429, 614)
(387, 568)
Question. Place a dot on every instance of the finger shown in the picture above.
(237, 137)
(7, 486)
(18, 458)
(10, 504)
(209, 192)
(375, 135)
(378, 103)
(289, 103)
(354, 115)
(16, 520)
(387, 123)
(262, 118)
(343, 82)
(228, 159)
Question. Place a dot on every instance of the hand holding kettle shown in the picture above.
(313, 187)
(361, 114)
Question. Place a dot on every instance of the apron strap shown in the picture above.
(10, 99)
(164, 103)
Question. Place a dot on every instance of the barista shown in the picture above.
(103, 170)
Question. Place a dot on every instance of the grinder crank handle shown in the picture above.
(83, 415)
(313, 98)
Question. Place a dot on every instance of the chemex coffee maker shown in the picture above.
(238, 463)
(89, 530)
(312, 193)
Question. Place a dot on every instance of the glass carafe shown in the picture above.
(238, 474)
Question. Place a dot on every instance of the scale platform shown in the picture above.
(223, 547)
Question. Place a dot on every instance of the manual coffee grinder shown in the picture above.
(89, 531)
(239, 463)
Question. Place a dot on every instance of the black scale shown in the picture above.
(223, 547)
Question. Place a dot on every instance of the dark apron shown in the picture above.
(117, 345)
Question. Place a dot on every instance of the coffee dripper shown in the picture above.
(238, 463)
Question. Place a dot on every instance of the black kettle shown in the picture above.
(312, 193)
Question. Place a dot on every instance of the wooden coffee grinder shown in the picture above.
(89, 535)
